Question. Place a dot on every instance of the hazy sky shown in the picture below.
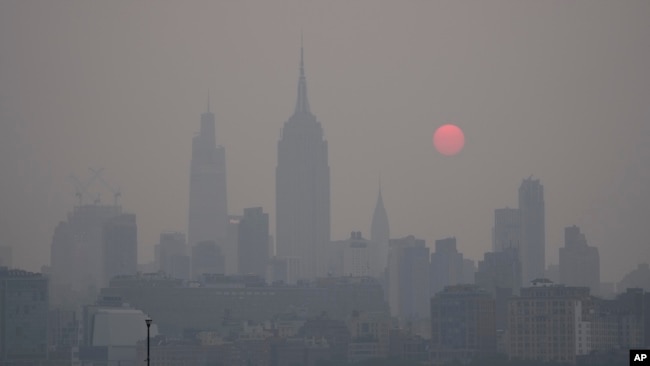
(557, 89)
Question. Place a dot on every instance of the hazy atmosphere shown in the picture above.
(555, 89)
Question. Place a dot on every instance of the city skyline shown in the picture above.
(544, 114)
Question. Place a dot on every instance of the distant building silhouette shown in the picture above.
(408, 279)
(207, 258)
(500, 270)
(579, 262)
(253, 242)
(637, 278)
(469, 271)
(500, 274)
(507, 229)
(24, 303)
(355, 256)
(283, 270)
(208, 204)
(380, 232)
(77, 254)
(533, 229)
(172, 254)
(120, 240)
(447, 265)
(230, 249)
(303, 187)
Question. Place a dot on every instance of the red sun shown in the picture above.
(449, 139)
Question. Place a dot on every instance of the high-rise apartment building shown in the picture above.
(208, 204)
(579, 262)
(120, 240)
(24, 303)
(253, 239)
(303, 188)
(533, 229)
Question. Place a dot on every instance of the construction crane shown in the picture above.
(116, 191)
(81, 188)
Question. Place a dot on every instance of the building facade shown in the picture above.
(550, 323)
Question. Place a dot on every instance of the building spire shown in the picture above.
(379, 178)
(208, 100)
(302, 104)
(302, 58)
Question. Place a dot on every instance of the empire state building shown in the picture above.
(303, 188)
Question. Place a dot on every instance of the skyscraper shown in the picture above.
(380, 232)
(77, 254)
(533, 229)
(303, 187)
(579, 262)
(446, 265)
(208, 207)
(408, 279)
(253, 242)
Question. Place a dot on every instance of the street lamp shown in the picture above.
(148, 321)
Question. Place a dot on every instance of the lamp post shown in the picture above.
(148, 321)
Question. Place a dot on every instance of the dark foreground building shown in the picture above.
(23, 317)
